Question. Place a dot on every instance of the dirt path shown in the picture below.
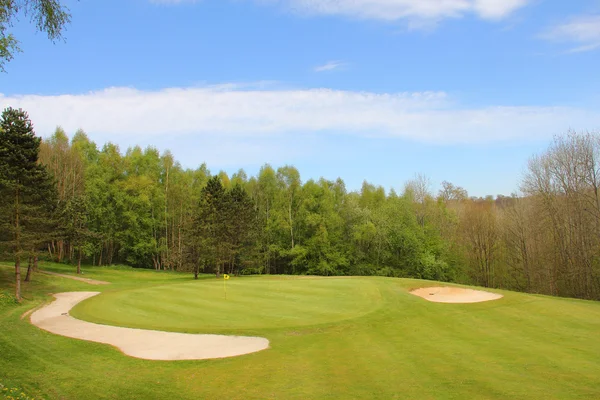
(455, 295)
(141, 343)
(77, 278)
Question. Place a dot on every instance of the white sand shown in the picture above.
(455, 295)
(141, 343)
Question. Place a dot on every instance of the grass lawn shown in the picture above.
(331, 338)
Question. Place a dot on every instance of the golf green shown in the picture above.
(247, 303)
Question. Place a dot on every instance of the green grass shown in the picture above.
(250, 304)
(331, 338)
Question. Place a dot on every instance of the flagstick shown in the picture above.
(225, 286)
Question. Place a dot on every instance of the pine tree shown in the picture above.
(208, 232)
(240, 215)
(27, 193)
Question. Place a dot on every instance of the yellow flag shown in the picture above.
(225, 276)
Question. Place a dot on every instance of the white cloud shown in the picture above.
(583, 32)
(231, 112)
(497, 9)
(329, 66)
(394, 10)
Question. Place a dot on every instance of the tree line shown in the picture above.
(69, 200)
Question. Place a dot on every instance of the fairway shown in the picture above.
(330, 338)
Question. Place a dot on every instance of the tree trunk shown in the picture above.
(111, 252)
(167, 261)
(18, 277)
(28, 276)
(18, 249)
(179, 252)
(61, 251)
(79, 262)
(291, 223)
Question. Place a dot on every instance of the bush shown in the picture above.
(251, 271)
(433, 269)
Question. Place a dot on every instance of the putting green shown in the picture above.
(250, 303)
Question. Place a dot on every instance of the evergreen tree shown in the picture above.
(240, 214)
(208, 232)
(27, 193)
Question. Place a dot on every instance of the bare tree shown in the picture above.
(481, 237)
(564, 183)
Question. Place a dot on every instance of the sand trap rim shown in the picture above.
(454, 294)
(140, 343)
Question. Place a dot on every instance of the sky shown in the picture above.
(464, 91)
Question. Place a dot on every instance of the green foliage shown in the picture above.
(49, 16)
(27, 193)
(432, 268)
(223, 232)
(75, 221)
(149, 212)
(143, 209)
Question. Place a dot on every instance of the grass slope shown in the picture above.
(331, 338)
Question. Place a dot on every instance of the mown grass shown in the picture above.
(331, 338)
(243, 304)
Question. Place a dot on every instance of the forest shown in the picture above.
(70, 200)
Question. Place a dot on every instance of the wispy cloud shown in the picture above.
(394, 10)
(330, 66)
(432, 117)
(582, 33)
(497, 9)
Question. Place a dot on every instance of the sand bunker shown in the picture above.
(141, 343)
(455, 295)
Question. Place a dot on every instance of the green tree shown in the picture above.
(66, 165)
(140, 206)
(49, 16)
(27, 193)
(288, 179)
(75, 225)
(103, 177)
(241, 225)
(264, 195)
(208, 232)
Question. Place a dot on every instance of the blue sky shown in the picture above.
(457, 90)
